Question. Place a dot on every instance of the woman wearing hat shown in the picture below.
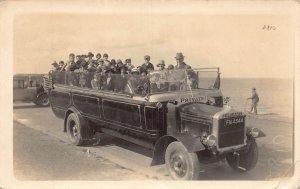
(98, 57)
(90, 60)
(147, 66)
(170, 67)
(161, 65)
(128, 64)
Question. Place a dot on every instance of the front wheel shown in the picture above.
(247, 159)
(43, 100)
(181, 164)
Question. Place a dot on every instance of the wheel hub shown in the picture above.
(178, 165)
(74, 131)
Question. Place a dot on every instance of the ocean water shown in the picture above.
(275, 95)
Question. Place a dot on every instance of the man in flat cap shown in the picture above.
(180, 62)
(55, 66)
(161, 65)
(147, 66)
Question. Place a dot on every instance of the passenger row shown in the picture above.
(86, 63)
(133, 83)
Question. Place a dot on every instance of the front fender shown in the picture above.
(40, 94)
(192, 144)
(261, 133)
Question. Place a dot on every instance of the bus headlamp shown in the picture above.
(211, 140)
(159, 105)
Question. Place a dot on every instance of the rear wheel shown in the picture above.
(181, 164)
(247, 159)
(43, 100)
(74, 130)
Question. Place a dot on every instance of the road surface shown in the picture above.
(42, 152)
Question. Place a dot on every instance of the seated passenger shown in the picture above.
(109, 80)
(142, 83)
(161, 65)
(118, 66)
(157, 83)
(121, 80)
(170, 67)
(95, 82)
(83, 75)
(133, 78)
(128, 64)
(191, 81)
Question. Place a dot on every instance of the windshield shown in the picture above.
(140, 84)
(184, 80)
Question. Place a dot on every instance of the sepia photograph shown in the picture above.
(151, 91)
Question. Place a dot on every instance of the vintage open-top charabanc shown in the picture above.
(179, 114)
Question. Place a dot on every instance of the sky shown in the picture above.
(237, 44)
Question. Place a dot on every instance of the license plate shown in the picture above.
(233, 121)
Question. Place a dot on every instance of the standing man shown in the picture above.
(106, 61)
(60, 65)
(55, 66)
(180, 62)
(255, 100)
(147, 66)
(90, 60)
(98, 58)
(129, 65)
(70, 64)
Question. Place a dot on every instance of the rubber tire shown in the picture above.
(39, 100)
(191, 159)
(248, 159)
(76, 140)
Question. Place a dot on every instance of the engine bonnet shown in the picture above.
(200, 110)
